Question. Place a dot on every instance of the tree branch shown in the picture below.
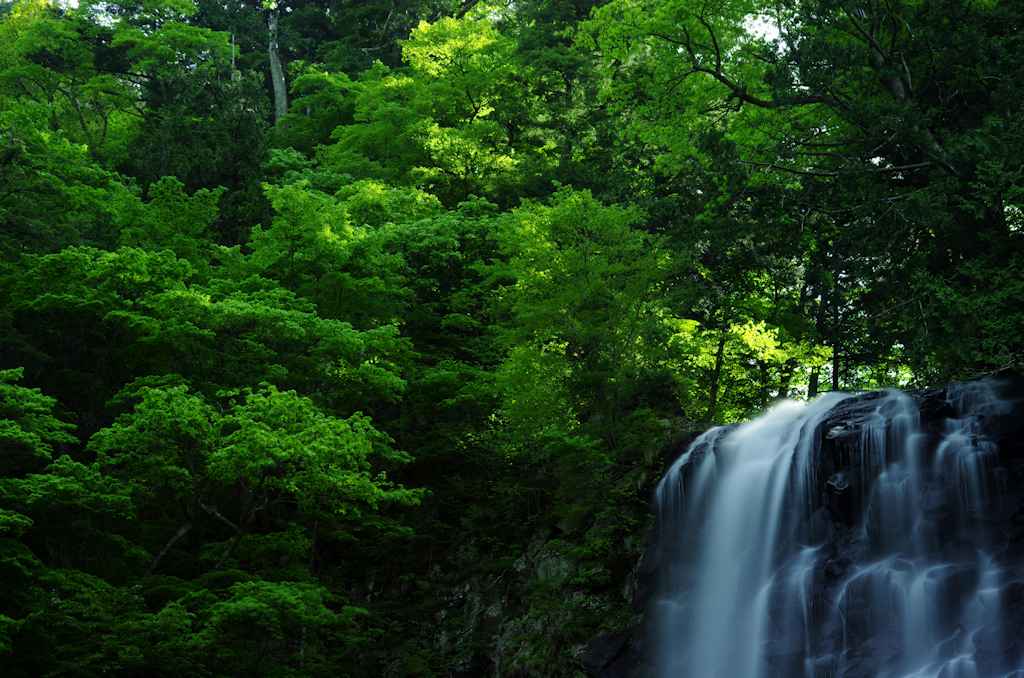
(217, 514)
(182, 531)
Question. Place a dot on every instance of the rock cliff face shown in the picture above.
(894, 547)
(523, 607)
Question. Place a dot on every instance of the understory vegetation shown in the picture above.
(317, 315)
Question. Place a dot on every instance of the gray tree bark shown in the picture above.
(277, 73)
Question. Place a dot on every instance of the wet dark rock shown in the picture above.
(1004, 431)
(817, 528)
(850, 545)
(864, 667)
(1002, 646)
(948, 589)
(935, 504)
(611, 655)
(836, 567)
(843, 499)
(786, 663)
(651, 561)
(962, 552)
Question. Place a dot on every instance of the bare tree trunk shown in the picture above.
(277, 73)
(786, 377)
(835, 340)
(312, 544)
(716, 379)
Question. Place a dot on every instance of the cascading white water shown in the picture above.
(885, 569)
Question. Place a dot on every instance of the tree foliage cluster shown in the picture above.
(300, 299)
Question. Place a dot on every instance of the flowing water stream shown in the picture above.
(888, 567)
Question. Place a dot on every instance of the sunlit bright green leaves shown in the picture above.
(165, 441)
(755, 358)
(472, 85)
(55, 59)
(373, 203)
(308, 238)
(586, 284)
(469, 64)
(230, 334)
(158, 39)
(282, 441)
(320, 104)
(690, 66)
(15, 23)
(344, 272)
(272, 447)
(581, 272)
(135, 313)
(170, 220)
(278, 443)
(381, 142)
(444, 125)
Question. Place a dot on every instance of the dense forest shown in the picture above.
(317, 313)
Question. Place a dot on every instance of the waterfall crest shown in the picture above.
(852, 537)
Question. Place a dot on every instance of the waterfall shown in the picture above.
(856, 536)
